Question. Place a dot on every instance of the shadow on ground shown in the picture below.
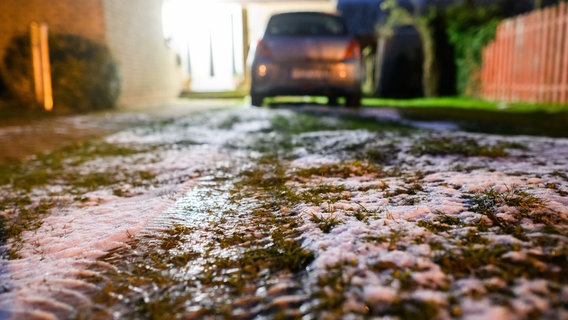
(534, 123)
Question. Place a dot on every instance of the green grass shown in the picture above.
(469, 147)
(457, 102)
(465, 103)
(326, 224)
(236, 94)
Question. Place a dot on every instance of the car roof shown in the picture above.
(306, 13)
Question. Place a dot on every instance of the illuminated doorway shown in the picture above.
(209, 40)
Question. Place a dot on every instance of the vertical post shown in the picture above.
(543, 57)
(488, 67)
(233, 60)
(535, 55)
(36, 61)
(211, 56)
(483, 74)
(494, 58)
(551, 53)
(564, 80)
(491, 60)
(500, 61)
(510, 66)
(504, 58)
(246, 39)
(41, 65)
(46, 70)
(529, 57)
(524, 36)
(518, 42)
(532, 56)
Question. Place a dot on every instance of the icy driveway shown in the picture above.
(255, 212)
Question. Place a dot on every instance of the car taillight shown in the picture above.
(353, 50)
(262, 50)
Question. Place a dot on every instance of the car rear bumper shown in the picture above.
(329, 79)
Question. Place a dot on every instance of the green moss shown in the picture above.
(433, 226)
(322, 193)
(326, 224)
(300, 123)
(57, 166)
(488, 202)
(332, 286)
(413, 309)
(26, 216)
(469, 147)
(560, 174)
(471, 261)
(441, 223)
(381, 155)
(360, 214)
(341, 170)
(472, 237)
(411, 190)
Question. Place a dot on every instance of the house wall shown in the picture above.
(84, 17)
(132, 30)
(149, 70)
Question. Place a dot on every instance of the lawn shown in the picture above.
(466, 103)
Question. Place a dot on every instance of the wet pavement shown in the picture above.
(24, 138)
(267, 213)
(21, 139)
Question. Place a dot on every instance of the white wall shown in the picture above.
(148, 68)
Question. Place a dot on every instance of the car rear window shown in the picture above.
(305, 24)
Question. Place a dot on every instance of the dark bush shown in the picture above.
(84, 74)
(3, 88)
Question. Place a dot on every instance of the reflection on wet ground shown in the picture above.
(278, 214)
(26, 137)
(206, 257)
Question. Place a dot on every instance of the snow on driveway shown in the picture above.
(444, 224)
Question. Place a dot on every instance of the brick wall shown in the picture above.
(149, 69)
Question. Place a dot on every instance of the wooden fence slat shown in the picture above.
(533, 58)
(527, 54)
(564, 81)
(510, 57)
(492, 71)
(518, 76)
(556, 77)
(528, 59)
(542, 55)
(550, 55)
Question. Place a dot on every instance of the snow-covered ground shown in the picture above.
(415, 230)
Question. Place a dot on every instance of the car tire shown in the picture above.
(332, 101)
(256, 100)
(353, 101)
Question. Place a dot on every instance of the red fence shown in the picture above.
(528, 60)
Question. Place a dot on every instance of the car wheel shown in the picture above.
(256, 100)
(332, 101)
(353, 101)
